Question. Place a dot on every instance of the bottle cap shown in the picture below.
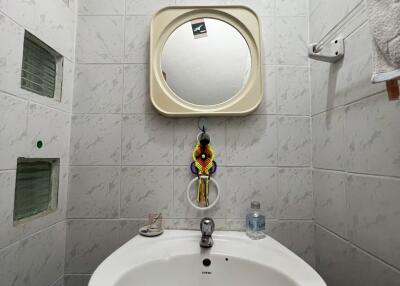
(255, 205)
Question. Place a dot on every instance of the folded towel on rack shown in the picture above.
(384, 20)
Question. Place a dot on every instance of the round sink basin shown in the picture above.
(175, 259)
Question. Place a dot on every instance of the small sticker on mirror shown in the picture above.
(199, 28)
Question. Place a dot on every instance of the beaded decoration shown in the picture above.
(203, 166)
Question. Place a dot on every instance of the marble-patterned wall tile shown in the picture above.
(372, 133)
(99, 39)
(7, 186)
(95, 140)
(328, 140)
(332, 258)
(324, 14)
(190, 224)
(13, 118)
(268, 29)
(342, 264)
(94, 192)
(291, 39)
(368, 271)
(295, 193)
(298, 236)
(262, 8)
(147, 140)
(98, 88)
(55, 25)
(146, 190)
(12, 232)
(291, 8)
(181, 206)
(136, 89)
(347, 81)
(269, 102)
(137, 31)
(324, 81)
(130, 228)
(145, 7)
(239, 225)
(185, 138)
(202, 3)
(76, 280)
(330, 201)
(11, 49)
(89, 242)
(51, 21)
(354, 78)
(294, 141)
(251, 141)
(246, 184)
(59, 281)
(101, 7)
(35, 261)
(52, 127)
(374, 215)
(292, 90)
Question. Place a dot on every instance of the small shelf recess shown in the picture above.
(331, 47)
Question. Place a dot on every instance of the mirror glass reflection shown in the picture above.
(206, 61)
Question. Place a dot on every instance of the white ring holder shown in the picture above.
(190, 200)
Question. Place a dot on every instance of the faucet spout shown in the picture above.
(207, 228)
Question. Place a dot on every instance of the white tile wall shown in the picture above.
(156, 151)
(340, 263)
(292, 90)
(95, 139)
(372, 134)
(13, 118)
(147, 140)
(374, 215)
(101, 7)
(52, 127)
(330, 201)
(145, 190)
(136, 96)
(100, 39)
(137, 30)
(251, 141)
(355, 132)
(144, 7)
(294, 141)
(328, 140)
(32, 253)
(98, 88)
(35, 261)
(94, 192)
(82, 235)
(291, 39)
(10, 54)
(295, 194)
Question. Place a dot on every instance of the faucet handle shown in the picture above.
(207, 226)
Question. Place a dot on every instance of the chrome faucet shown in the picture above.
(207, 228)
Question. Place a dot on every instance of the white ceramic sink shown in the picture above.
(175, 258)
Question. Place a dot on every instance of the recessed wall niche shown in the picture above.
(36, 187)
(42, 68)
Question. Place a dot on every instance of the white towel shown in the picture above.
(384, 20)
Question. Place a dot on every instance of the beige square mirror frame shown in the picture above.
(166, 21)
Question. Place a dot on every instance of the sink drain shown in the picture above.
(206, 262)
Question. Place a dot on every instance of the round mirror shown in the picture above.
(206, 61)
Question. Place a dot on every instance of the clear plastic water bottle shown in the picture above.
(255, 222)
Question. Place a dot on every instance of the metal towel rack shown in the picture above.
(331, 47)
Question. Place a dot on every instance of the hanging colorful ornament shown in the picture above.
(203, 166)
